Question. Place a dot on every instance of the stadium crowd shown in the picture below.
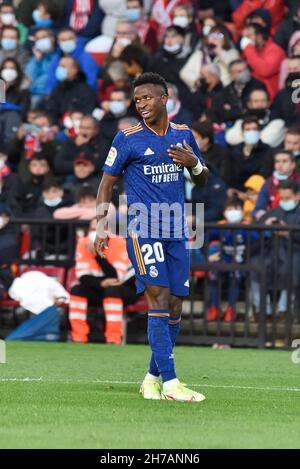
(233, 74)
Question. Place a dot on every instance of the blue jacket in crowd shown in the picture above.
(87, 63)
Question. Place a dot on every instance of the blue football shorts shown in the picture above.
(160, 262)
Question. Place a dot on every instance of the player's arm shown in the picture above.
(117, 157)
(104, 197)
(186, 157)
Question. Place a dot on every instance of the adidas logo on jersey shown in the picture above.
(149, 152)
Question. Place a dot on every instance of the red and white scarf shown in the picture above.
(81, 12)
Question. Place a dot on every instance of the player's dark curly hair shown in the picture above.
(151, 78)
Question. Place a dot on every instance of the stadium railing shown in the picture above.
(262, 265)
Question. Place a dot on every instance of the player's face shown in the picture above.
(150, 101)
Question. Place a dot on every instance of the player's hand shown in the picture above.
(183, 155)
(100, 244)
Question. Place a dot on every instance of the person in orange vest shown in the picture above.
(109, 281)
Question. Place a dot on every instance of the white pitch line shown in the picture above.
(96, 381)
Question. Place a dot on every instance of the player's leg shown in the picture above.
(175, 309)
(162, 362)
(178, 268)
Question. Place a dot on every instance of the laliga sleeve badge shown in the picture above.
(111, 156)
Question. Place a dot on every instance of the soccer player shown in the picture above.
(152, 156)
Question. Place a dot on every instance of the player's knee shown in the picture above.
(175, 307)
(158, 297)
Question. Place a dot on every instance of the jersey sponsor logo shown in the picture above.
(112, 155)
(187, 283)
(153, 271)
(163, 172)
(149, 152)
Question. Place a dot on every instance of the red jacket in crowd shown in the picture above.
(265, 64)
(275, 7)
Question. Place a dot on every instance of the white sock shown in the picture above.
(170, 384)
(152, 377)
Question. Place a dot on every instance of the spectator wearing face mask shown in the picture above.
(29, 192)
(71, 92)
(263, 56)
(249, 157)
(89, 139)
(292, 144)
(45, 15)
(135, 13)
(279, 264)
(69, 46)
(118, 107)
(258, 105)
(8, 18)
(161, 16)
(176, 112)
(16, 87)
(26, 8)
(39, 66)
(284, 169)
(184, 17)
(231, 247)
(171, 58)
(54, 240)
(30, 139)
(234, 98)
(285, 105)
(11, 47)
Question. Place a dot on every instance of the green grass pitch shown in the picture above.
(86, 396)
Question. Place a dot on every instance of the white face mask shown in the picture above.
(251, 137)
(53, 202)
(173, 49)
(280, 177)
(92, 235)
(288, 205)
(181, 21)
(234, 215)
(8, 18)
(9, 74)
(1, 222)
(2, 164)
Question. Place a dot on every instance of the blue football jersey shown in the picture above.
(152, 178)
